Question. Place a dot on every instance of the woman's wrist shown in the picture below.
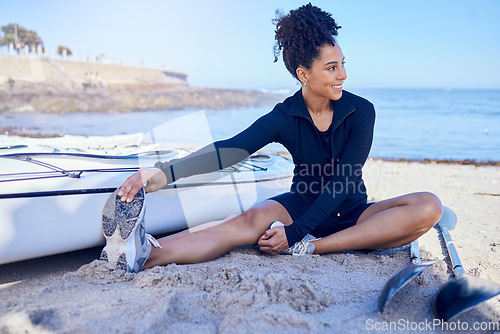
(167, 169)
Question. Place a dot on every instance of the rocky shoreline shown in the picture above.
(53, 99)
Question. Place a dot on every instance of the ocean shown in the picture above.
(411, 124)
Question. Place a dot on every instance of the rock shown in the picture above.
(47, 98)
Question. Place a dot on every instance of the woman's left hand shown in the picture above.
(273, 241)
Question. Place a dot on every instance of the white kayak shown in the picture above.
(52, 203)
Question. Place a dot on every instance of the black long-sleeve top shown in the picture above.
(332, 179)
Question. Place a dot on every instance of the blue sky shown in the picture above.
(222, 43)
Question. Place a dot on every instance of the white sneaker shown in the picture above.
(275, 224)
(303, 247)
(127, 243)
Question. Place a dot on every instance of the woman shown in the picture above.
(328, 132)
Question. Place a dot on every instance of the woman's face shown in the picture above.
(327, 73)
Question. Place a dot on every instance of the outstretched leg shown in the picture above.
(211, 240)
(386, 224)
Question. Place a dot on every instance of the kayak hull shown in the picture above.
(51, 213)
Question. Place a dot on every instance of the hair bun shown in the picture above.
(301, 33)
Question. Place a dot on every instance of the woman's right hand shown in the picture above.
(152, 178)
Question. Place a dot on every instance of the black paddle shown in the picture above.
(461, 292)
(405, 275)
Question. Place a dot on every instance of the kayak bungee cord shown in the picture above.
(46, 175)
(243, 166)
(110, 190)
(54, 168)
(249, 167)
(98, 170)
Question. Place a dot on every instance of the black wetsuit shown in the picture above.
(327, 176)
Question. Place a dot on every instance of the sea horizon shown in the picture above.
(418, 124)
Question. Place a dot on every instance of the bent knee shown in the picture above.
(430, 209)
(251, 224)
(248, 219)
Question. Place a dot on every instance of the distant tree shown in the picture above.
(61, 48)
(31, 38)
(7, 36)
(24, 37)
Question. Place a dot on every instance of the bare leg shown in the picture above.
(213, 239)
(386, 224)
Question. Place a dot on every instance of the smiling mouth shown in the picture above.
(337, 87)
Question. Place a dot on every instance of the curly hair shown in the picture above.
(300, 34)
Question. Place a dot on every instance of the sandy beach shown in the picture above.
(246, 291)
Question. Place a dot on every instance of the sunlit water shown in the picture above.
(413, 124)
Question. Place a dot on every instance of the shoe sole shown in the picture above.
(119, 222)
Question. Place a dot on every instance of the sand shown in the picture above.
(247, 291)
